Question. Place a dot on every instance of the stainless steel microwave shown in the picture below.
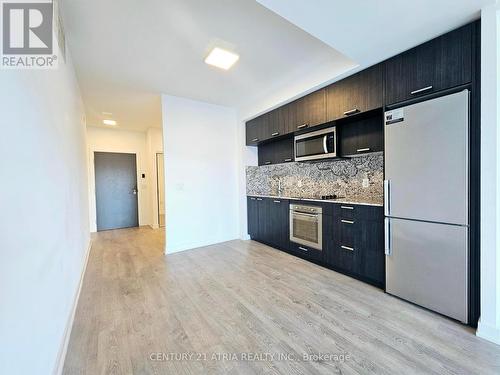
(319, 144)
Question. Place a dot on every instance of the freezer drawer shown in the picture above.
(427, 265)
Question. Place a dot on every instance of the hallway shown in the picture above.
(140, 310)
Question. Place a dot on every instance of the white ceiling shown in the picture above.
(127, 53)
(371, 31)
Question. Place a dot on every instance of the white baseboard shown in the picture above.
(488, 332)
(195, 244)
(58, 369)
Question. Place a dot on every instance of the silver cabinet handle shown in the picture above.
(424, 89)
(302, 126)
(347, 221)
(252, 199)
(267, 162)
(347, 248)
(303, 248)
(347, 207)
(255, 139)
(387, 237)
(277, 201)
(387, 198)
(351, 112)
(289, 159)
(275, 134)
(259, 199)
(363, 149)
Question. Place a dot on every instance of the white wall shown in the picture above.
(201, 180)
(44, 231)
(489, 323)
(118, 140)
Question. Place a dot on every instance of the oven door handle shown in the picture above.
(304, 214)
(325, 145)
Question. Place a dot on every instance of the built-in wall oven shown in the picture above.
(306, 225)
(319, 144)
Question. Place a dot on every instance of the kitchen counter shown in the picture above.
(341, 201)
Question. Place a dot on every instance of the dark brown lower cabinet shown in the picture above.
(268, 221)
(354, 238)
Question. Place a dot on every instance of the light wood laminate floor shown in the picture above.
(244, 308)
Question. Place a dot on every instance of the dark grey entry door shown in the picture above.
(115, 190)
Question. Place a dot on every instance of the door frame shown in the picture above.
(158, 190)
(91, 182)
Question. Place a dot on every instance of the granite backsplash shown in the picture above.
(343, 177)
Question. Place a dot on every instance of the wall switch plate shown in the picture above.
(299, 183)
(366, 183)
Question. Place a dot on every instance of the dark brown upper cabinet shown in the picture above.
(362, 135)
(306, 112)
(256, 130)
(264, 127)
(275, 124)
(276, 152)
(355, 94)
(439, 64)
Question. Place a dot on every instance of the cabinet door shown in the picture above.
(252, 132)
(253, 217)
(372, 265)
(279, 223)
(266, 154)
(347, 248)
(263, 218)
(439, 64)
(305, 112)
(257, 130)
(358, 93)
(283, 151)
(275, 124)
(359, 136)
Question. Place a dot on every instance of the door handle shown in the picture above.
(351, 112)
(387, 237)
(302, 126)
(325, 145)
(424, 89)
(387, 197)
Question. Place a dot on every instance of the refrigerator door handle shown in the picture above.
(387, 237)
(387, 198)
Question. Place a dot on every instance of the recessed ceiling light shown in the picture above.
(109, 122)
(221, 58)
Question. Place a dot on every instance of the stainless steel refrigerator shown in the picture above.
(426, 204)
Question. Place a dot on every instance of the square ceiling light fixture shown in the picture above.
(221, 58)
(109, 122)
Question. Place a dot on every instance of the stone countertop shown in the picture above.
(341, 201)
